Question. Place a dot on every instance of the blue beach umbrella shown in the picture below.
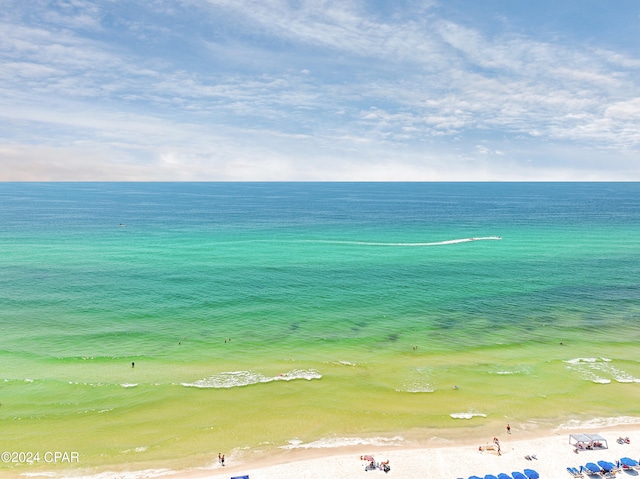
(531, 474)
(518, 475)
(627, 461)
(502, 475)
(474, 477)
(590, 466)
(490, 476)
(607, 466)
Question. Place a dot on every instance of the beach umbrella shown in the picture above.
(368, 458)
(490, 476)
(474, 477)
(518, 475)
(531, 474)
(590, 466)
(627, 461)
(607, 466)
(502, 475)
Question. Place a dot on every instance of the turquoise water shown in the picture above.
(282, 315)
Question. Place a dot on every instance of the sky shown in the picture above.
(319, 90)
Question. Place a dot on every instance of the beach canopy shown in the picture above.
(587, 440)
(531, 474)
(627, 461)
(590, 466)
(518, 475)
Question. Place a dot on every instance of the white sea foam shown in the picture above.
(346, 363)
(427, 388)
(622, 376)
(600, 371)
(416, 387)
(344, 441)
(245, 378)
(599, 422)
(417, 382)
(586, 360)
(137, 449)
(144, 474)
(466, 415)
(129, 385)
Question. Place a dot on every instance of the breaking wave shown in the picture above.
(466, 415)
(599, 371)
(344, 441)
(234, 379)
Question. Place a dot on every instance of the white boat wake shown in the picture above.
(435, 243)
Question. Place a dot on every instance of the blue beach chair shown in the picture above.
(574, 472)
(606, 466)
(592, 469)
(628, 463)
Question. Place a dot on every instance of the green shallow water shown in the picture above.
(263, 316)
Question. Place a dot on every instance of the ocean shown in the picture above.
(161, 323)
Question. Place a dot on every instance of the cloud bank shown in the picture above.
(227, 90)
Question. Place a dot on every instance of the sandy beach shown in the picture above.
(553, 454)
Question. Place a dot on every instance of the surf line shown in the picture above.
(436, 243)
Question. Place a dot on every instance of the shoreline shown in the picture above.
(460, 460)
(438, 457)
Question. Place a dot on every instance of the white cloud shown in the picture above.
(276, 89)
(625, 110)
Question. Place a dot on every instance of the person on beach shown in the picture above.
(220, 457)
(222, 460)
(508, 429)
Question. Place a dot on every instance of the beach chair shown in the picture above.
(592, 469)
(574, 472)
(628, 463)
(607, 466)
